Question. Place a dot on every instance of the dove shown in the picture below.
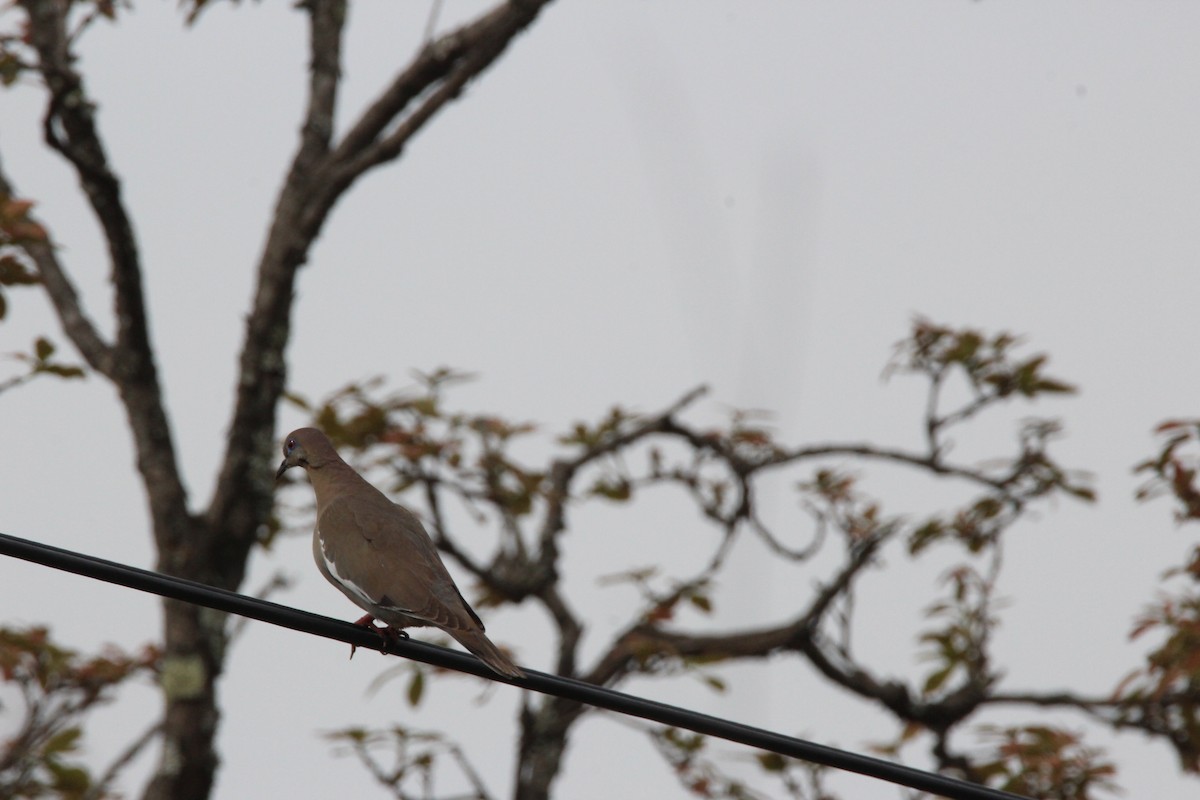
(379, 554)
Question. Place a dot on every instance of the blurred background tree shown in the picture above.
(461, 468)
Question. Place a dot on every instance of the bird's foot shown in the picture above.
(388, 633)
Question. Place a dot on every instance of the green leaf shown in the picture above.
(965, 347)
(425, 406)
(1053, 386)
(772, 762)
(61, 370)
(351, 734)
(44, 348)
(617, 490)
(10, 68)
(62, 742)
(70, 781)
(1082, 492)
(937, 679)
(416, 687)
(925, 535)
(298, 400)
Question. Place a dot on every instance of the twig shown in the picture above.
(100, 786)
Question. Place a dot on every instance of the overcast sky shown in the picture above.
(642, 197)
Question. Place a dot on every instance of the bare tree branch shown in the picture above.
(570, 629)
(645, 642)
(437, 76)
(243, 495)
(563, 471)
(214, 548)
(317, 179)
(70, 128)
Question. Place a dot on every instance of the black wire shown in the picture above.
(599, 696)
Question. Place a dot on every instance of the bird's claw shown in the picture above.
(388, 633)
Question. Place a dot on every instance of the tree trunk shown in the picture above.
(543, 744)
(214, 547)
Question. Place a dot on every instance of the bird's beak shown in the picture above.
(282, 469)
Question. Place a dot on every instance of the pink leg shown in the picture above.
(387, 632)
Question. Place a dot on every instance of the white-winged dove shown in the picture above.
(379, 554)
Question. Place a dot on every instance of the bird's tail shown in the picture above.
(488, 653)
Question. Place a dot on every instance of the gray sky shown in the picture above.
(642, 197)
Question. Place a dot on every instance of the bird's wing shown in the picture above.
(384, 551)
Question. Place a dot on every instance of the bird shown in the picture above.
(379, 554)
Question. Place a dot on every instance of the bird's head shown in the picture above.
(308, 448)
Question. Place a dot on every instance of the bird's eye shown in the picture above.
(290, 446)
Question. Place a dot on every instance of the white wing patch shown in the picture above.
(350, 585)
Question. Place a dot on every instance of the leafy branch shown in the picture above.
(412, 440)
(415, 761)
(57, 688)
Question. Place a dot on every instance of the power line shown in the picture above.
(598, 696)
